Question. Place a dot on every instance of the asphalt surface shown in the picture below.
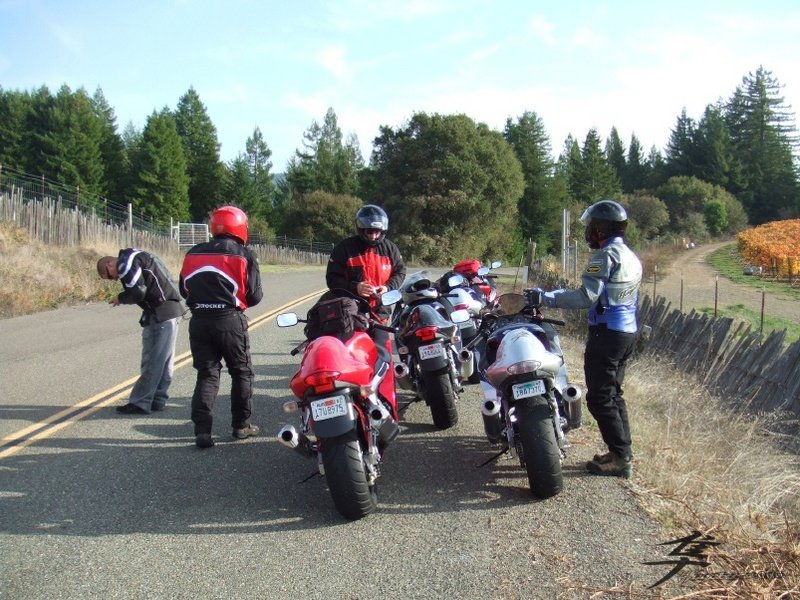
(98, 505)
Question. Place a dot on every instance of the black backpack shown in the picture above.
(338, 317)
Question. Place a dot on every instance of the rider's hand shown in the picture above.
(365, 290)
(381, 289)
(533, 296)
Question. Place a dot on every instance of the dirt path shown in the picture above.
(699, 283)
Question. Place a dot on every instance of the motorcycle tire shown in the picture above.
(540, 451)
(353, 497)
(437, 390)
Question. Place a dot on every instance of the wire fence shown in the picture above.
(27, 188)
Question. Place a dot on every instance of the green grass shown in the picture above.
(726, 260)
(739, 312)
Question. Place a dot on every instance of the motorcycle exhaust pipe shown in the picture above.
(490, 410)
(572, 393)
(382, 422)
(467, 363)
(573, 408)
(401, 375)
(289, 437)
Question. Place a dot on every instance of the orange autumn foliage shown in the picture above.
(774, 246)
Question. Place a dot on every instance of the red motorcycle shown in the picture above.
(478, 277)
(345, 391)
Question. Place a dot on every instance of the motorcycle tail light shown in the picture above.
(461, 307)
(426, 334)
(290, 406)
(526, 366)
(322, 381)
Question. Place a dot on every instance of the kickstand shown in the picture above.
(314, 474)
(493, 458)
(403, 408)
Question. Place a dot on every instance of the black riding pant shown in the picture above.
(604, 367)
(212, 339)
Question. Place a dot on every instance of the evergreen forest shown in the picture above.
(453, 187)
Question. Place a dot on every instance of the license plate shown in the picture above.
(328, 408)
(431, 351)
(528, 389)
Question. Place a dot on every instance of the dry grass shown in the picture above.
(701, 467)
(36, 277)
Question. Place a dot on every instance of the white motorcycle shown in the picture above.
(528, 403)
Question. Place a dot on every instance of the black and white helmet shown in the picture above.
(370, 216)
(604, 219)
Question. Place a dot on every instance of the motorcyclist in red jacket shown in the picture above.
(368, 264)
(220, 279)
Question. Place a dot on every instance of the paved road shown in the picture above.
(126, 507)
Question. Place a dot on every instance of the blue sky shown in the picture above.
(281, 65)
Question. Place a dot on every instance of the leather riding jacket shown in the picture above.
(610, 288)
(220, 275)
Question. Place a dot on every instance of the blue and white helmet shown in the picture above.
(370, 216)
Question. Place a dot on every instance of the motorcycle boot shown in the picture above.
(617, 466)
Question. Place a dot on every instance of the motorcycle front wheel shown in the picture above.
(540, 451)
(437, 390)
(352, 495)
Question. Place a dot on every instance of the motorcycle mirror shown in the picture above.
(287, 319)
(455, 281)
(497, 264)
(460, 316)
(483, 271)
(391, 297)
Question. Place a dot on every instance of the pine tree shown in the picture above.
(112, 150)
(636, 169)
(615, 154)
(592, 178)
(714, 160)
(540, 205)
(201, 150)
(14, 107)
(680, 148)
(162, 187)
(764, 140)
(74, 139)
(249, 184)
(325, 163)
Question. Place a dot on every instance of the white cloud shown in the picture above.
(333, 59)
(543, 30)
(584, 37)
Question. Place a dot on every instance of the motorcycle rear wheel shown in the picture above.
(353, 497)
(437, 390)
(540, 451)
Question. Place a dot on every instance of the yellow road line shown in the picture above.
(80, 410)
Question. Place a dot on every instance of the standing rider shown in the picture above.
(610, 290)
(220, 279)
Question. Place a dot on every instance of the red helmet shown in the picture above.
(229, 220)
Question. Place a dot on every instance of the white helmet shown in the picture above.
(418, 286)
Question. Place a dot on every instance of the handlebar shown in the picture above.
(552, 321)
